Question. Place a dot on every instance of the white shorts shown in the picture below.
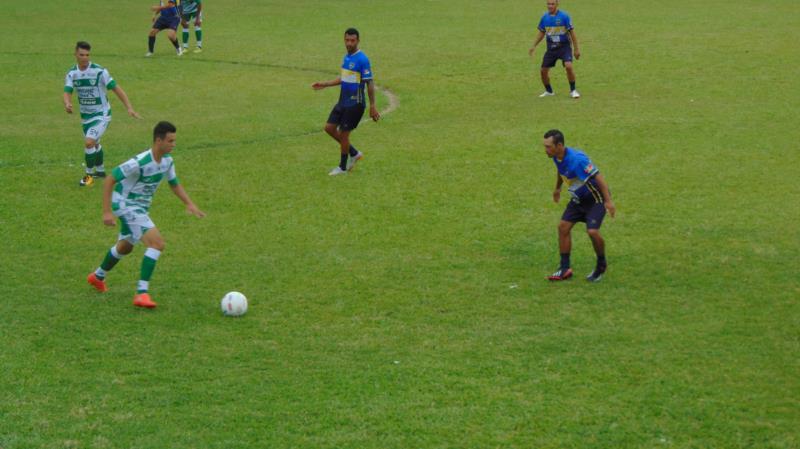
(133, 225)
(95, 130)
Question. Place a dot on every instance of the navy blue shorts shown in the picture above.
(167, 22)
(562, 52)
(346, 118)
(588, 212)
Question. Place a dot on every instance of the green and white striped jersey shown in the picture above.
(137, 181)
(189, 6)
(91, 85)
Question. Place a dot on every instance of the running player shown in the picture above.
(347, 113)
(167, 18)
(591, 198)
(92, 83)
(192, 9)
(133, 185)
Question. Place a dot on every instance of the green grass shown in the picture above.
(405, 306)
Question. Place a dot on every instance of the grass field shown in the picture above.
(405, 305)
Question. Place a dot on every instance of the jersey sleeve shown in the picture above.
(68, 84)
(107, 80)
(128, 169)
(366, 69)
(541, 24)
(172, 178)
(567, 22)
(583, 167)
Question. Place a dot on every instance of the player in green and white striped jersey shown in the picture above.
(127, 195)
(192, 9)
(92, 82)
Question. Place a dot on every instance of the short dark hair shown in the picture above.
(162, 129)
(83, 44)
(352, 32)
(558, 136)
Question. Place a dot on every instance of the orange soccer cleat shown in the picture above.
(143, 300)
(98, 284)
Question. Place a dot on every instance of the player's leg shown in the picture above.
(151, 38)
(344, 148)
(571, 78)
(594, 219)
(185, 28)
(122, 248)
(198, 32)
(173, 37)
(95, 133)
(152, 239)
(564, 271)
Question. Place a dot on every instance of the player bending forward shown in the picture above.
(127, 195)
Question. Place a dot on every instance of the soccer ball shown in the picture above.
(234, 304)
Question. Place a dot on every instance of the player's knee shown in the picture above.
(330, 128)
(124, 247)
(593, 233)
(90, 143)
(157, 244)
(564, 228)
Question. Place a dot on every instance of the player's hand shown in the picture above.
(192, 209)
(530, 52)
(611, 208)
(197, 22)
(374, 114)
(318, 86)
(556, 196)
(109, 219)
(577, 54)
(134, 114)
(68, 108)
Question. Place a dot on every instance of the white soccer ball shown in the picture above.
(234, 304)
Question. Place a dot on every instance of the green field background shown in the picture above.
(405, 305)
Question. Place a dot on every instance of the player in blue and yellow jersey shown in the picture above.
(355, 75)
(557, 27)
(167, 18)
(590, 198)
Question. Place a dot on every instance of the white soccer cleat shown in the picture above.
(546, 94)
(351, 163)
(179, 51)
(198, 50)
(337, 171)
(148, 54)
(574, 94)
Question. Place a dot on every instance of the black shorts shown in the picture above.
(588, 212)
(163, 23)
(346, 118)
(562, 52)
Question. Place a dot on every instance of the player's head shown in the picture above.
(351, 39)
(82, 49)
(554, 143)
(552, 6)
(164, 137)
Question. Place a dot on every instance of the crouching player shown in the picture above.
(591, 198)
(127, 195)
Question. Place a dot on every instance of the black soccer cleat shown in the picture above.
(560, 275)
(596, 274)
(99, 174)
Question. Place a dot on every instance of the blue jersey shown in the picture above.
(172, 11)
(556, 28)
(578, 173)
(355, 73)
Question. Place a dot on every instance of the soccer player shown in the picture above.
(192, 9)
(127, 195)
(347, 113)
(92, 83)
(590, 200)
(167, 18)
(557, 26)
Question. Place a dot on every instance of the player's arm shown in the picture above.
(123, 97)
(575, 49)
(601, 182)
(373, 110)
(108, 188)
(538, 39)
(179, 191)
(68, 102)
(557, 190)
(324, 84)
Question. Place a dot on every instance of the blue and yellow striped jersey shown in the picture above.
(355, 72)
(556, 28)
